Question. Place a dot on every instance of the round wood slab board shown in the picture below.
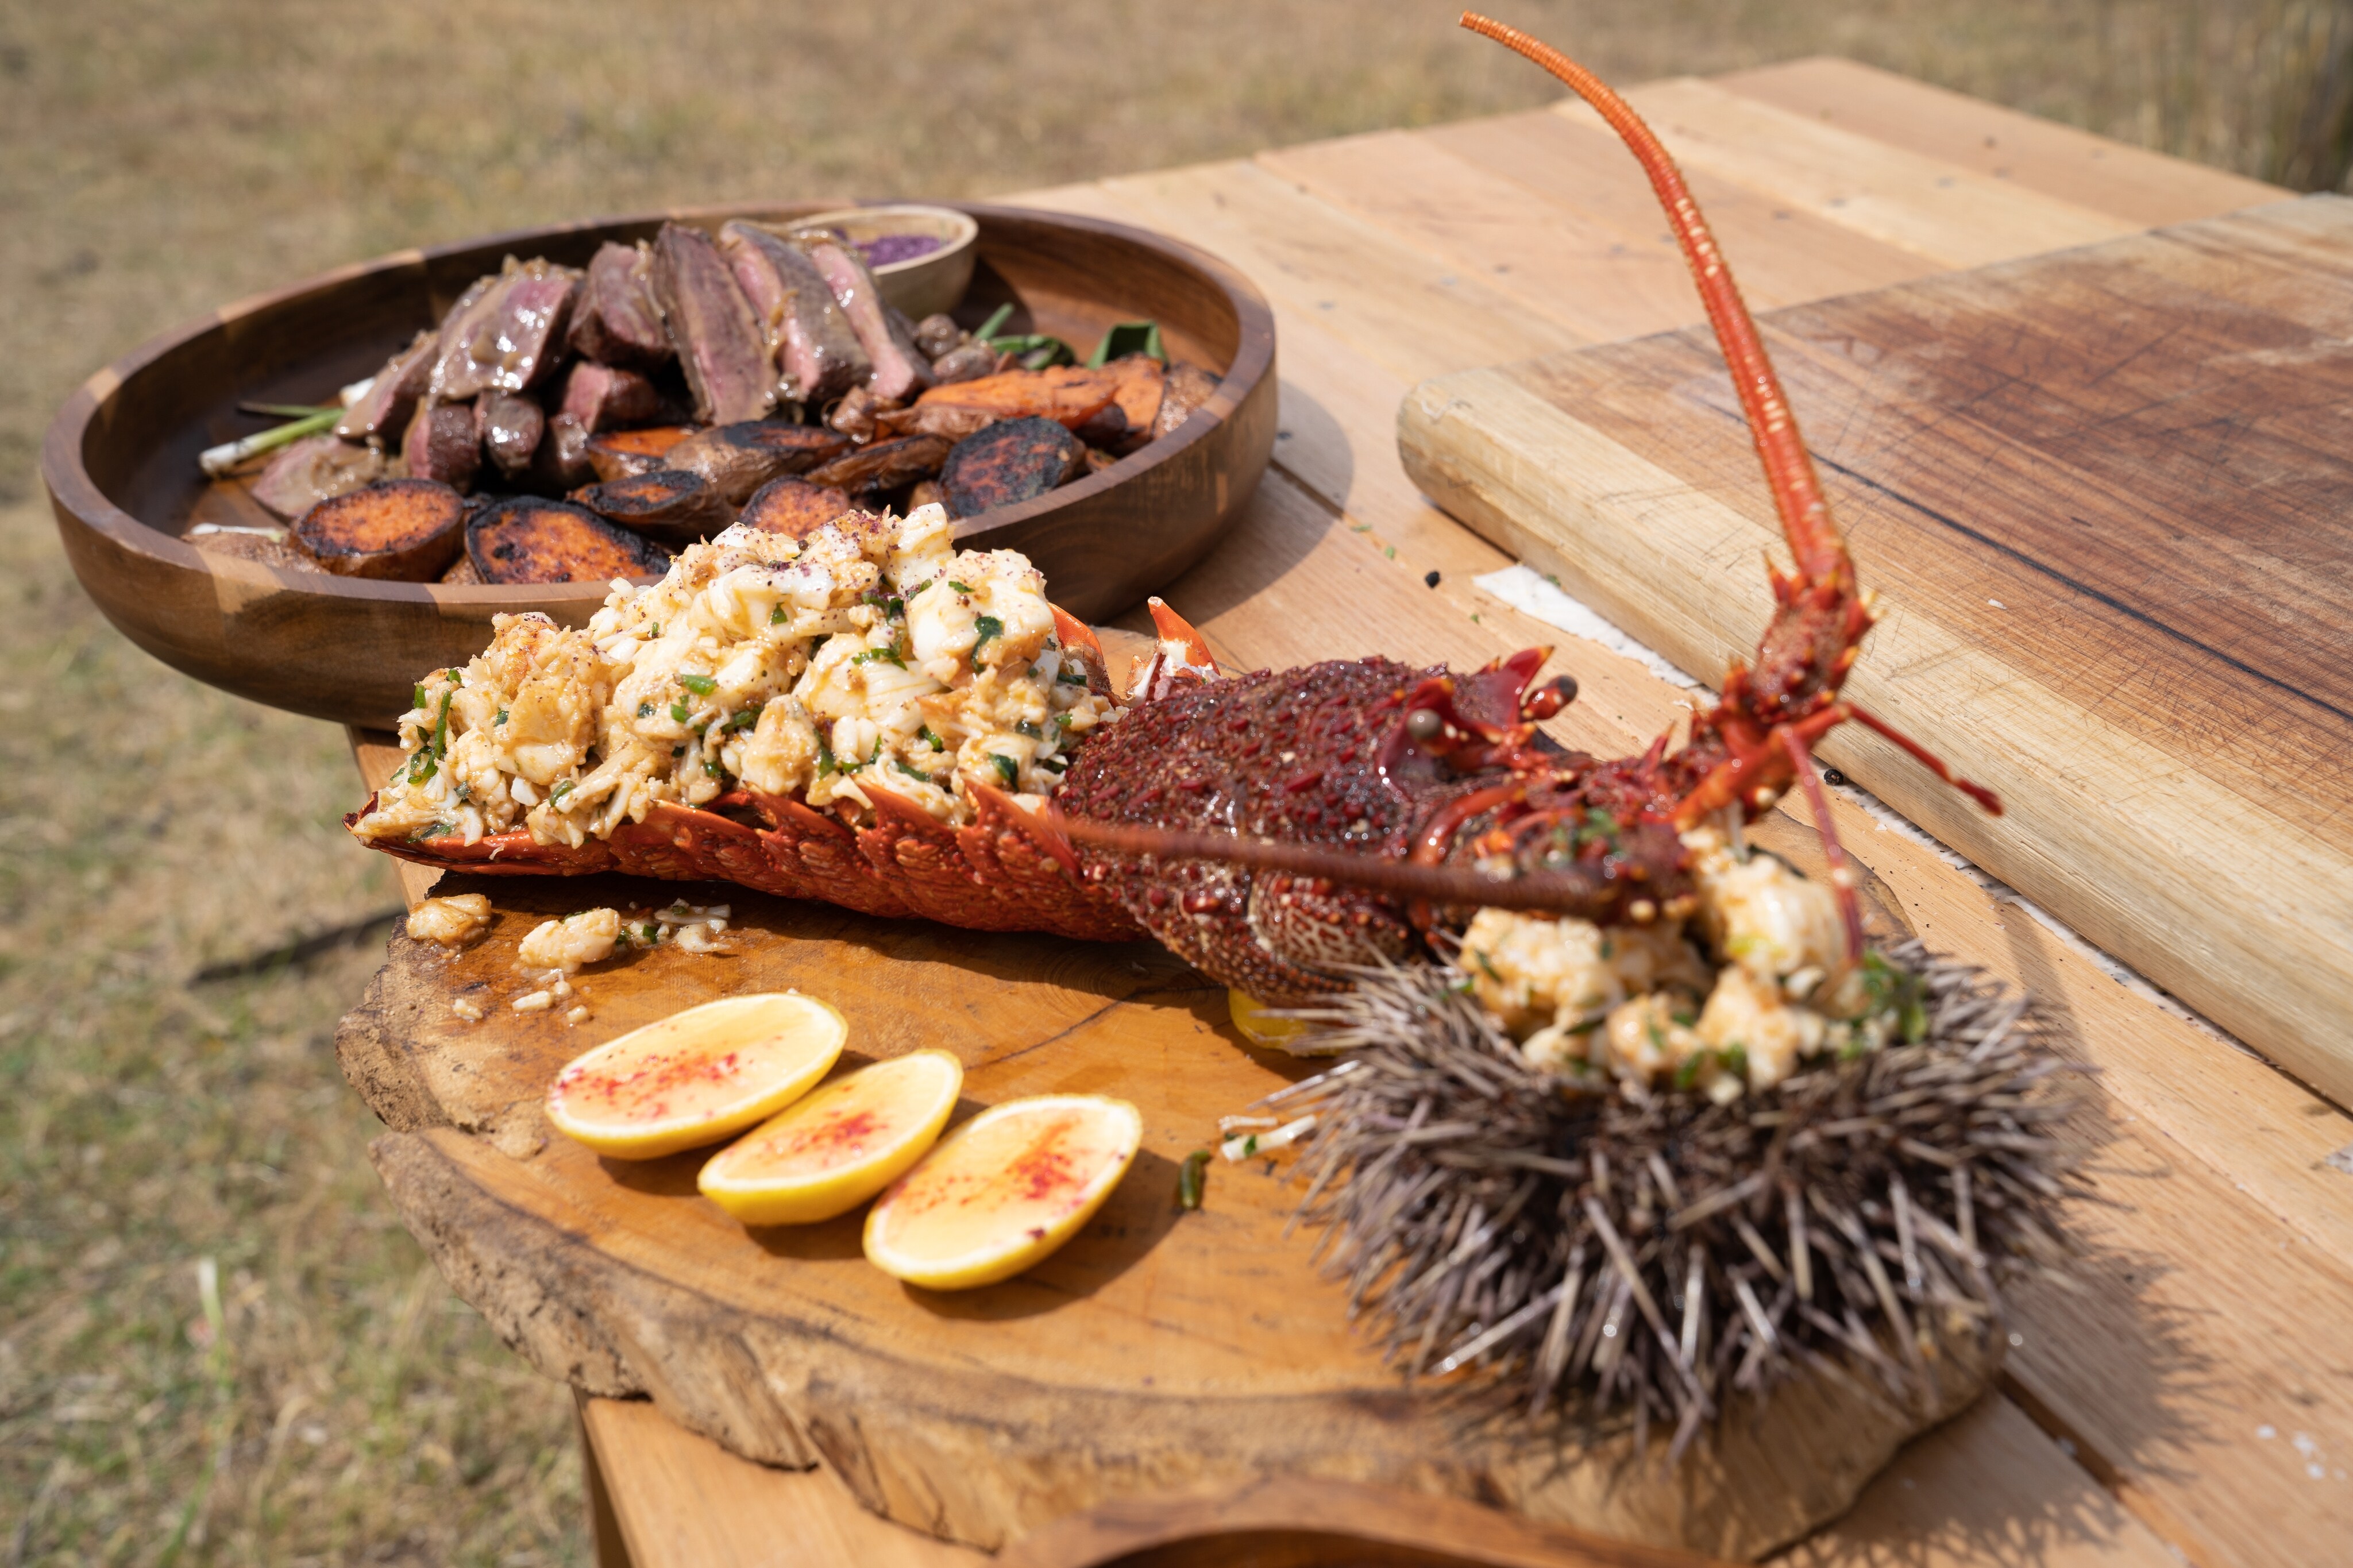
(1158, 1350)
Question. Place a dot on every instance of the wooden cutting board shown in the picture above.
(1159, 1350)
(2106, 497)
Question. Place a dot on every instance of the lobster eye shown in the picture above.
(1424, 724)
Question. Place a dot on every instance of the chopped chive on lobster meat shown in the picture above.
(896, 608)
(825, 762)
(959, 587)
(988, 626)
(712, 768)
(1024, 727)
(1007, 769)
(1071, 677)
(1054, 764)
(1189, 1178)
(924, 734)
(912, 772)
(678, 712)
(700, 685)
(644, 709)
(421, 696)
(744, 721)
(420, 765)
(776, 617)
(880, 655)
(500, 719)
(559, 792)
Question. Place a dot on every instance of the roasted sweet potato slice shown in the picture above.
(668, 504)
(405, 531)
(1141, 382)
(526, 540)
(1068, 395)
(1016, 460)
(794, 508)
(885, 465)
(617, 454)
(739, 458)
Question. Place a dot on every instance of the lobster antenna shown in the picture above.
(1814, 541)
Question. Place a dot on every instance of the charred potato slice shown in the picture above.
(617, 454)
(526, 540)
(405, 531)
(1017, 460)
(885, 465)
(739, 458)
(668, 504)
(794, 508)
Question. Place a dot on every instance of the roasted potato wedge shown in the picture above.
(668, 504)
(885, 465)
(739, 458)
(795, 507)
(405, 531)
(1016, 460)
(526, 540)
(617, 454)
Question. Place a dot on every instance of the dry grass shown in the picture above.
(157, 156)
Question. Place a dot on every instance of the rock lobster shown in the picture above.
(1275, 828)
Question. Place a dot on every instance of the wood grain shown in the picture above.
(2035, 155)
(2103, 494)
(120, 458)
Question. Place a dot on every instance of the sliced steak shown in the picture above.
(885, 465)
(617, 454)
(616, 321)
(527, 539)
(900, 368)
(720, 344)
(561, 461)
(510, 428)
(1010, 462)
(739, 458)
(509, 336)
(816, 351)
(794, 508)
(600, 397)
(668, 504)
(441, 444)
(405, 531)
(383, 412)
(309, 470)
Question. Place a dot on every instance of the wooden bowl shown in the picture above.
(120, 460)
(922, 284)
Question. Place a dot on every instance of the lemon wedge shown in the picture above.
(1250, 1015)
(697, 1077)
(1003, 1190)
(825, 1154)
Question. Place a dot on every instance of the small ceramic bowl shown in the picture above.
(923, 285)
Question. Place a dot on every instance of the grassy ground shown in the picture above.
(216, 1345)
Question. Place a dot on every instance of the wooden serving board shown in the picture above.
(2106, 495)
(1160, 1351)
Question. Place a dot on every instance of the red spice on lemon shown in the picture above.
(655, 1076)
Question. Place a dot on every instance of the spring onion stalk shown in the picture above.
(219, 460)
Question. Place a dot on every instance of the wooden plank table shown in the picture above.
(2195, 1398)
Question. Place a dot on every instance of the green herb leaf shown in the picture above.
(678, 712)
(1189, 1177)
(644, 709)
(1735, 1058)
(559, 792)
(1128, 338)
(776, 617)
(825, 762)
(900, 763)
(1068, 676)
(420, 700)
(924, 734)
(1007, 769)
(700, 685)
(712, 768)
(748, 717)
(988, 626)
(441, 727)
(880, 655)
(501, 719)
(1025, 728)
(959, 587)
